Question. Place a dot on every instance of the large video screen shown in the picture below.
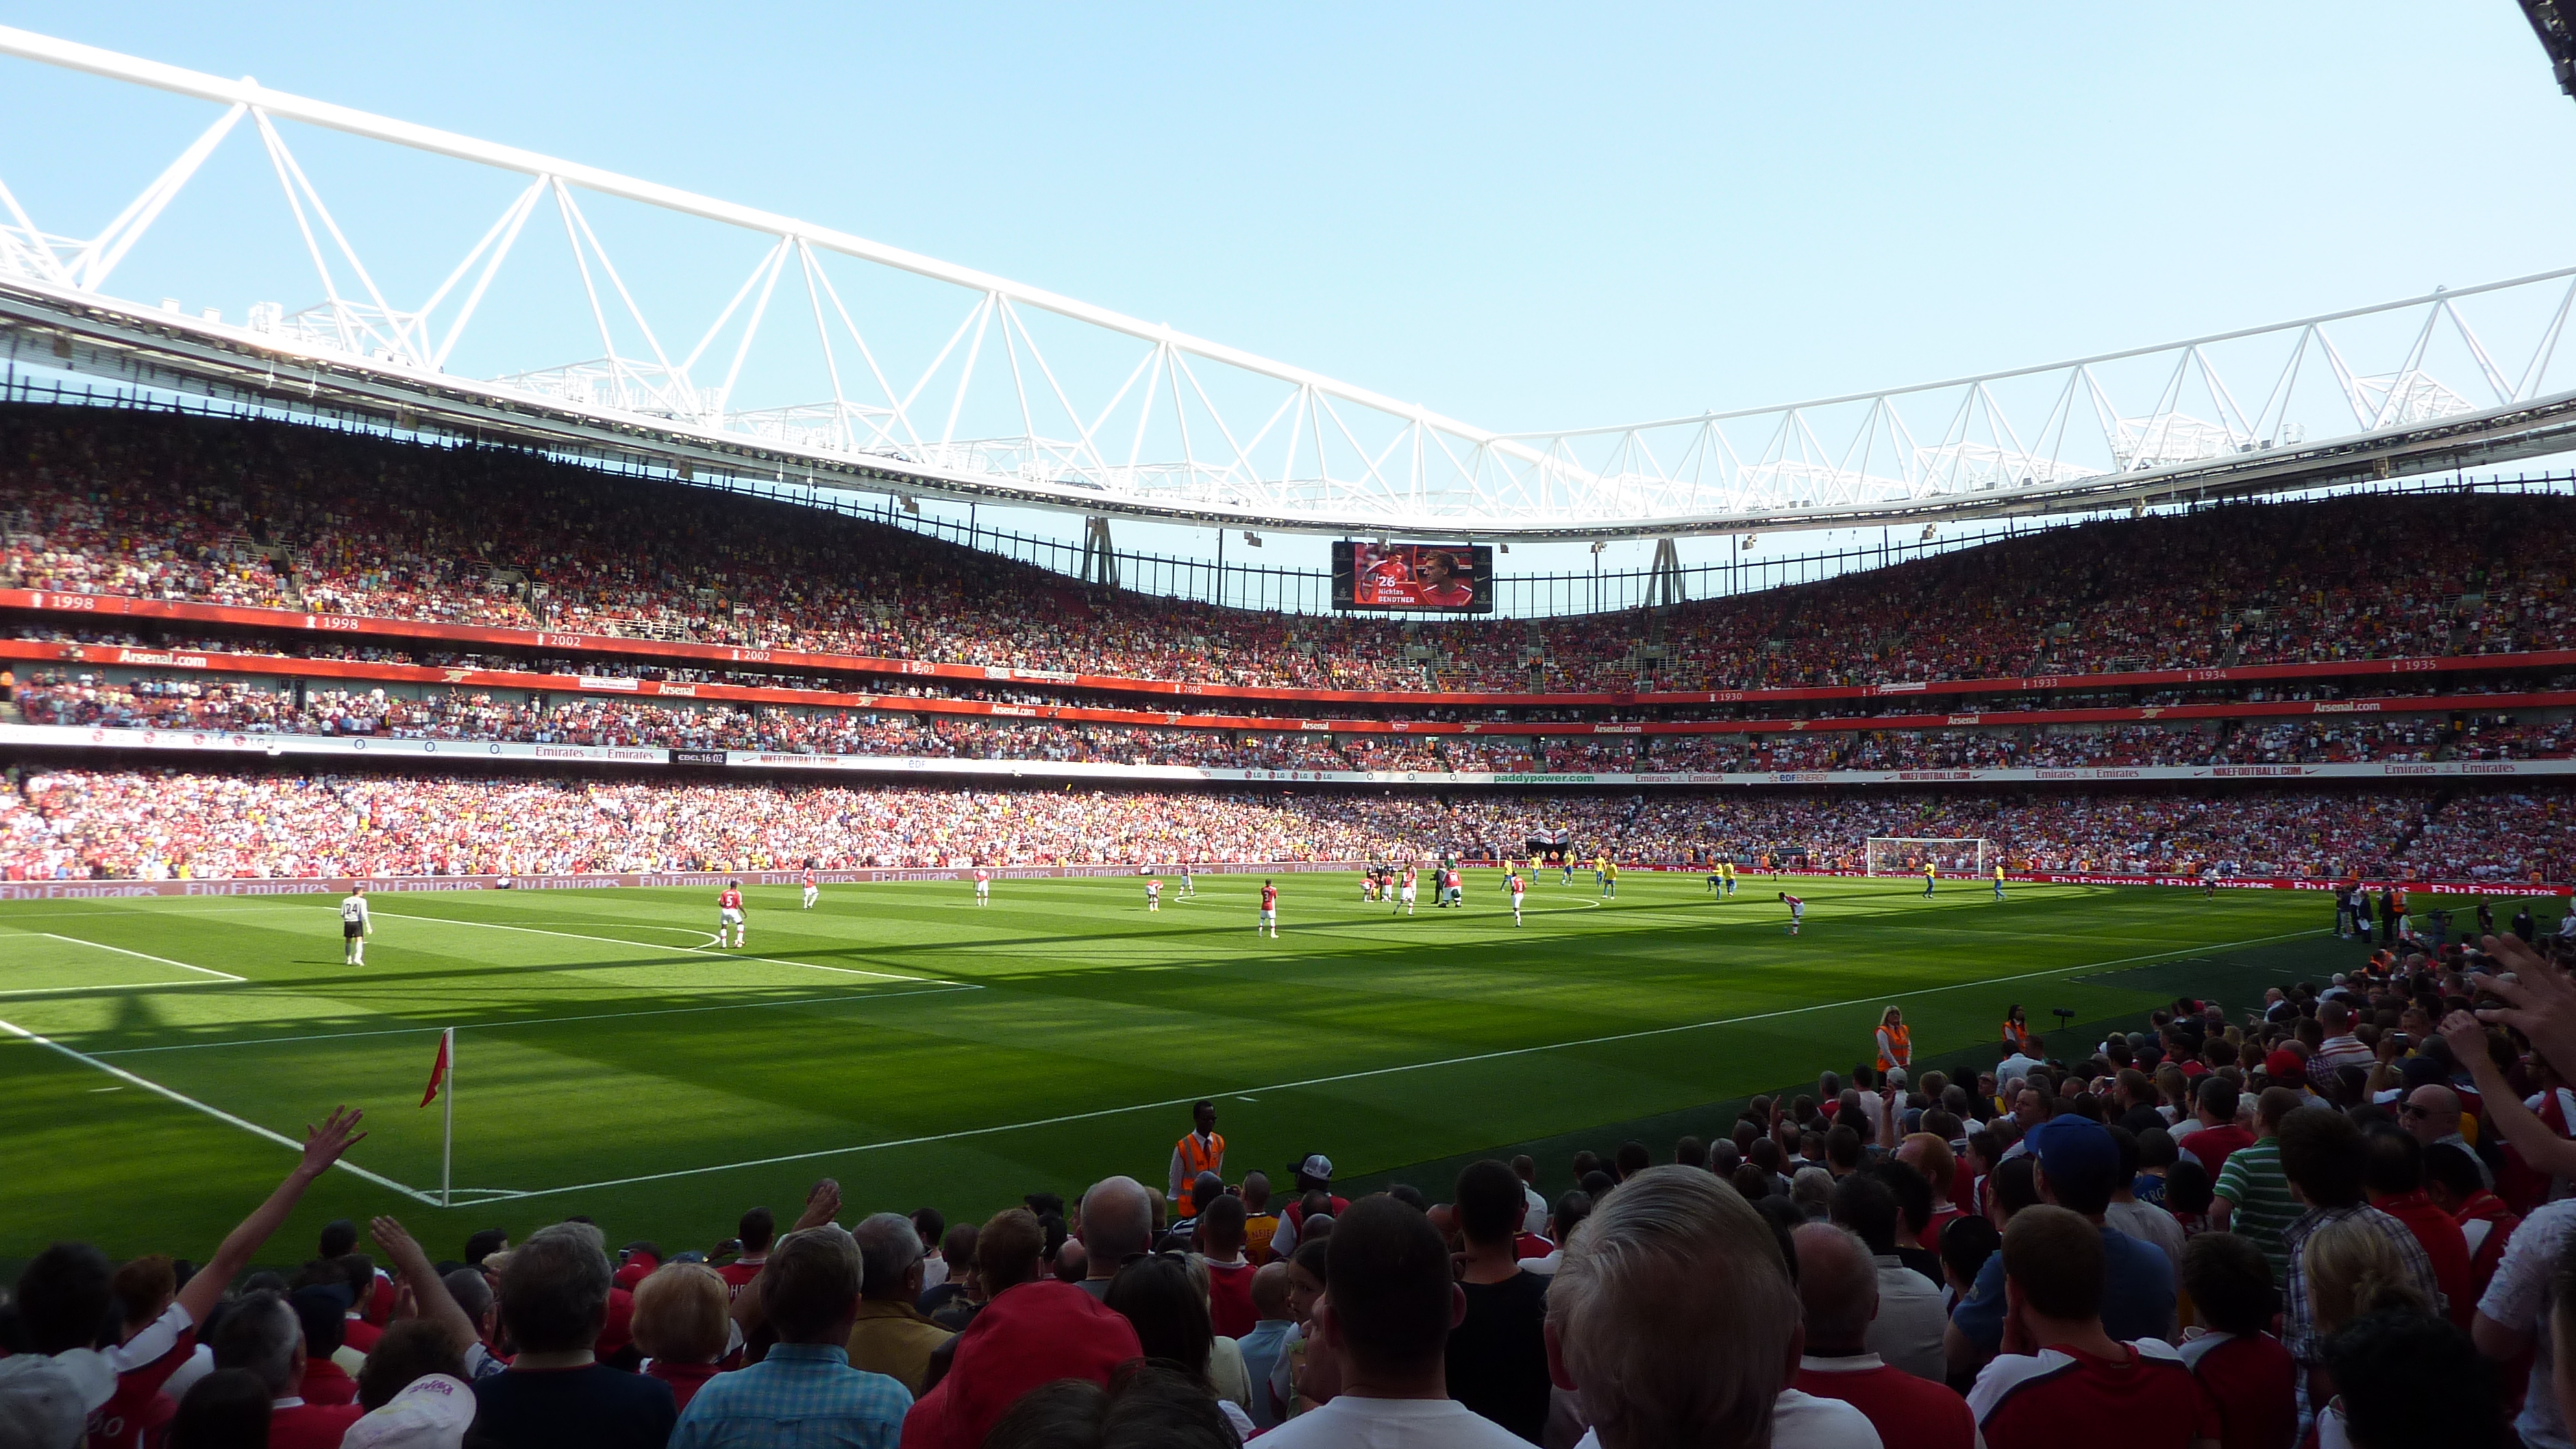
(1448, 578)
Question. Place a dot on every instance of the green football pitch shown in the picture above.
(611, 1061)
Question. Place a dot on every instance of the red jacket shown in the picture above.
(325, 1383)
(2443, 1244)
(2489, 1209)
(1230, 1310)
(1028, 1335)
(311, 1426)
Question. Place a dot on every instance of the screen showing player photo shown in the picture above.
(1446, 577)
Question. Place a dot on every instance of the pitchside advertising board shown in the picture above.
(53, 890)
(107, 741)
(1416, 578)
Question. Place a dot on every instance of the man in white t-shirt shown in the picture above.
(2017, 1064)
(1534, 1217)
(2513, 1318)
(1389, 1303)
(1673, 1315)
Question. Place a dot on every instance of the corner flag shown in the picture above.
(438, 1069)
(442, 1075)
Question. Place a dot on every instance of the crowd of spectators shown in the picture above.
(2301, 742)
(52, 697)
(205, 824)
(280, 515)
(2339, 1215)
(2527, 734)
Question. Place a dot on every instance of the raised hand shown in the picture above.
(325, 1144)
(420, 1282)
(822, 1205)
(2540, 1001)
(397, 1243)
(2468, 1039)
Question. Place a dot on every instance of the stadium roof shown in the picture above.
(1019, 395)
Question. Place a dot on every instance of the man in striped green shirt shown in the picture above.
(2253, 1195)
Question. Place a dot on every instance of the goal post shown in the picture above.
(1971, 855)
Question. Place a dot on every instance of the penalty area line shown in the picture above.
(218, 1113)
(501, 1195)
(144, 956)
(842, 998)
(212, 977)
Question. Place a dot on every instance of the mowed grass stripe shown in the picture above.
(1275, 1088)
(1095, 1008)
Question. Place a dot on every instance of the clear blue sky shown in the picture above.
(1522, 216)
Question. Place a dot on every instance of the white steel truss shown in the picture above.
(1004, 391)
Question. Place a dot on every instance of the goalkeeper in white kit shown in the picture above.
(355, 927)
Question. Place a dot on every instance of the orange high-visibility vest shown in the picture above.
(1196, 1159)
(1904, 1042)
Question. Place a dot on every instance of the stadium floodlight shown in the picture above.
(1972, 855)
(2554, 21)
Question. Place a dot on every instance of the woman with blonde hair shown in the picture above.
(2175, 1089)
(1895, 1043)
(2354, 1271)
(682, 1325)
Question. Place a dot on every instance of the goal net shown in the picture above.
(1908, 854)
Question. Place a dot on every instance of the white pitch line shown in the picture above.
(843, 997)
(1388, 1071)
(646, 946)
(123, 986)
(219, 977)
(219, 1114)
(164, 960)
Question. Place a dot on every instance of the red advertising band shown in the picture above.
(719, 655)
(290, 667)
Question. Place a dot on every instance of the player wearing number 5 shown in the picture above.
(729, 913)
(355, 927)
(1895, 1043)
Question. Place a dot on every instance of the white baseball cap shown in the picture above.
(432, 1412)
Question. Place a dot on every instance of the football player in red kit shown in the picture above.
(729, 912)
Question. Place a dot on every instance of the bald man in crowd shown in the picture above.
(1838, 1280)
(2431, 1115)
(1117, 1229)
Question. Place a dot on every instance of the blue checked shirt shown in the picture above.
(802, 1396)
(2298, 1316)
